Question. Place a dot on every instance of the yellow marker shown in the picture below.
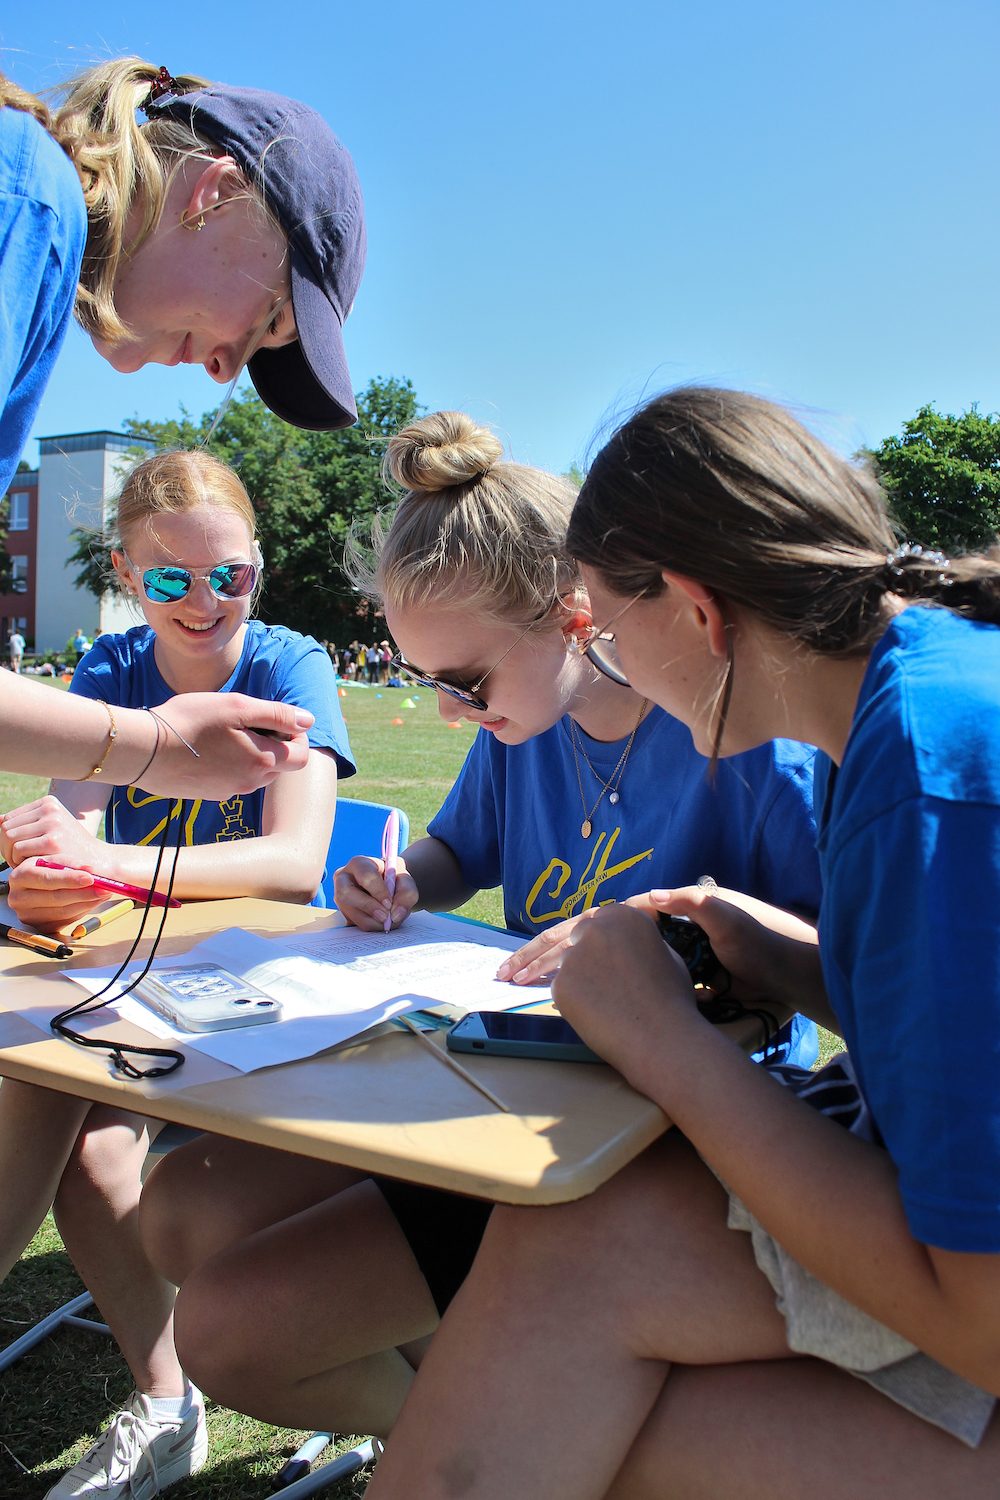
(101, 918)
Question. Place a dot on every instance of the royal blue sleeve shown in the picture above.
(910, 939)
(304, 676)
(470, 819)
(100, 674)
(784, 839)
(41, 246)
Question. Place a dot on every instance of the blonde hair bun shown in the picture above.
(441, 451)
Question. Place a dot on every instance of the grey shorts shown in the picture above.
(820, 1322)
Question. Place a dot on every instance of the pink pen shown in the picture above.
(117, 887)
(390, 853)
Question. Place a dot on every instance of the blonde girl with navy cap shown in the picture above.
(224, 227)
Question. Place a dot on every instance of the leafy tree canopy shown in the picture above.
(307, 489)
(942, 475)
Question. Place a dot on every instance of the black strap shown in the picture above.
(120, 1052)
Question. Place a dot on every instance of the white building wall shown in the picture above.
(77, 475)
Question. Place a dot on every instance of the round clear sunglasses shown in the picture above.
(600, 647)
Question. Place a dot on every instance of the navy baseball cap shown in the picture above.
(308, 181)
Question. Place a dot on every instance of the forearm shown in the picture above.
(44, 732)
(272, 867)
(438, 875)
(830, 1199)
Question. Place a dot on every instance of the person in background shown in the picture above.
(15, 650)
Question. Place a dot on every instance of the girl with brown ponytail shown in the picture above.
(668, 1335)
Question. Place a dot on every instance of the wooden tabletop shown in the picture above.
(381, 1105)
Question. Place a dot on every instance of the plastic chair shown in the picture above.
(357, 829)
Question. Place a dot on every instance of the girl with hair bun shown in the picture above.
(186, 552)
(576, 792)
(664, 1325)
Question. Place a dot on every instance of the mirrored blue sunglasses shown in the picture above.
(168, 584)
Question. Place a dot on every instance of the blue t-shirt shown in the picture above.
(909, 847)
(43, 230)
(276, 664)
(514, 816)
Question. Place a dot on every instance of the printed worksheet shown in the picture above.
(333, 984)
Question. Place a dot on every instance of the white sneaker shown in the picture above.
(138, 1456)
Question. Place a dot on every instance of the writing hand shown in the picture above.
(360, 893)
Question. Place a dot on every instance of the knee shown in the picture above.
(218, 1342)
(106, 1157)
(170, 1210)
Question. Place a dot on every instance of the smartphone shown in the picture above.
(205, 997)
(518, 1033)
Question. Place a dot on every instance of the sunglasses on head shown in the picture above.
(169, 583)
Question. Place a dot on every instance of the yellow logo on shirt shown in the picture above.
(234, 824)
(552, 882)
(140, 799)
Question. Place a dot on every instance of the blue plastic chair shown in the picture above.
(357, 829)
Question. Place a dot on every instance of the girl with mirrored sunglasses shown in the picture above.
(575, 792)
(186, 553)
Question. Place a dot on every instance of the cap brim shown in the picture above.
(308, 383)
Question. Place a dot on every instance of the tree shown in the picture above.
(942, 475)
(307, 489)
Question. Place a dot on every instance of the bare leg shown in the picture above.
(801, 1430)
(97, 1212)
(215, 1191)
(299, 1324)
(558, 1346)
(37, 1130)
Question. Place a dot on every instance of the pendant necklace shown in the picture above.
(610, 787)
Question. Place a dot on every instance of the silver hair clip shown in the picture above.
(895, 561)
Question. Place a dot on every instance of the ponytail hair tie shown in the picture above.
(896, 569)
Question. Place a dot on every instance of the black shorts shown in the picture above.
(442, 1229)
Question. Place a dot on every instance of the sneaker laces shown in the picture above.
(126, 1439)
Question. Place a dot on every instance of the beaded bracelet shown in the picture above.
(112, 736)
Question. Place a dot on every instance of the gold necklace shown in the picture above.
(610, 787)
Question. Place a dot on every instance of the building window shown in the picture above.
(18, 511)
(19, 575)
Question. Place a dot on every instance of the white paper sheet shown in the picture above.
(333, 984)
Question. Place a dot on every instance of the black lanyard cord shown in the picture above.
(119, 1052)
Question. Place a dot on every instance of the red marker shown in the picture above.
(117, 887)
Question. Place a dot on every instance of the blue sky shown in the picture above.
(571, 205)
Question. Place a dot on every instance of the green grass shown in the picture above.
(59, 1396)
